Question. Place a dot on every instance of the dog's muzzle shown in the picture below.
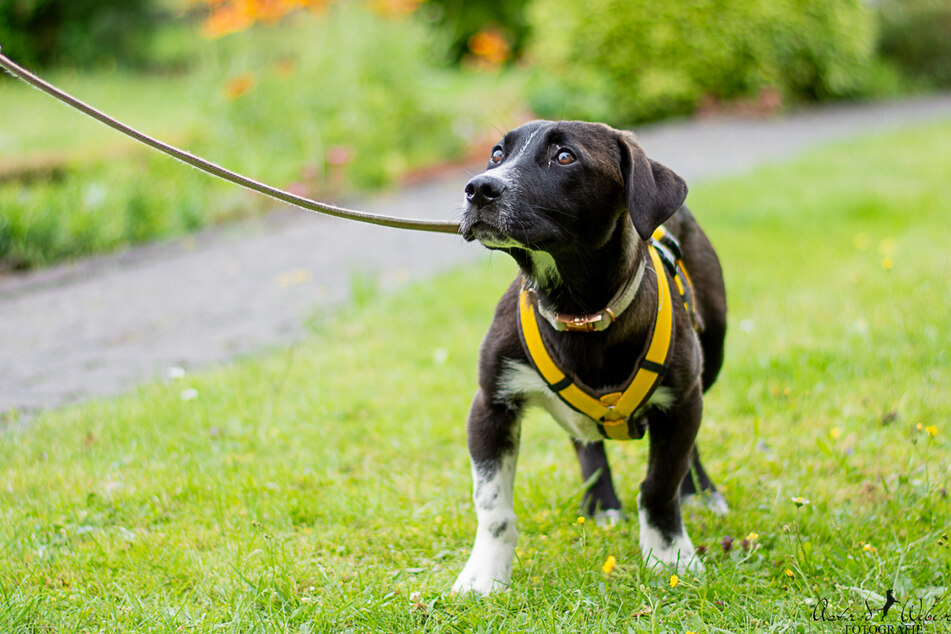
(484, 189)
(481, 219)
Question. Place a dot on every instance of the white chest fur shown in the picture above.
(521, 381)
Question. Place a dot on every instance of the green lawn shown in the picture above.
(326, 487)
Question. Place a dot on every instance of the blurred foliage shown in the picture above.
(320, 104)
(465, 21)
(916, 36)
(75, 32)
(626, 61)
(369, 98)
(99, 207)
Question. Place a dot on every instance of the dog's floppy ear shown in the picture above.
(653, 191)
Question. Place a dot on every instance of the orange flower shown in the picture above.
(230, 16)
(239, 86)
(227, 18)
(490, 46)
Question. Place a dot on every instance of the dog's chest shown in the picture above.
(520, 381)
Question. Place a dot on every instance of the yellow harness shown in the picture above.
(613, 411)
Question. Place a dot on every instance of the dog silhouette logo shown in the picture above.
(889, 602)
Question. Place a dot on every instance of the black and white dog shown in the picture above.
(594, 317)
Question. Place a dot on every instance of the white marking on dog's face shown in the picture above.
(521, 381)
(507, 171)
(677, 553)
(489, 568)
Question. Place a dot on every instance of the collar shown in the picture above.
(601, 320)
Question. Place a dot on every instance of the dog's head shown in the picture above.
(551, 186)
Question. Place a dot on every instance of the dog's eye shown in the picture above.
(496, 155)
(565, 157)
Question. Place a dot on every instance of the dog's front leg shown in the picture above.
(493, 437)
(663, 537)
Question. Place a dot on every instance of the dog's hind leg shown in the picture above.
(493, 438)
(697, 487)
(600, 500)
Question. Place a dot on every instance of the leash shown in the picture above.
(434, 226)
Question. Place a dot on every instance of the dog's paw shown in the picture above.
(712, 501)
(677, 553)
(480, 578)
(609, 518)
(471, 585)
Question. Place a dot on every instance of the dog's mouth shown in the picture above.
(487, 234)
(476, 227)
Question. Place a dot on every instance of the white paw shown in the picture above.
(712, 501)
(678, 553)
(609, 518)
(483, 577)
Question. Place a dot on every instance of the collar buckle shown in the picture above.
(585, 323)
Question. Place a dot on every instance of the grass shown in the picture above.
(325, 487)
(37, 126)
(328, 105)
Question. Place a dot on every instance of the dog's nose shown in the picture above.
(483, 189)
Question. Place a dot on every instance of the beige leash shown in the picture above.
(216, 170)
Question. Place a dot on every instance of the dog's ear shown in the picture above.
(653, 192)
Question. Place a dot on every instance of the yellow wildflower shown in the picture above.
(752, 537)
(789, 573)
(932, 430)
(834, 433)
(608, 564)
(674, 580)
(580, 519)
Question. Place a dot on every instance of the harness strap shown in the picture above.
(612, 411)
(669, 248)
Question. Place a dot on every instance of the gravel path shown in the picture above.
(103, 326)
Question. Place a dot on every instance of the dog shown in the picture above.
(615, 326)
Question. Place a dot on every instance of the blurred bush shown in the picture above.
(624, 61)
(916, 37)
(350, 99)
(464, 21)
(75, 32)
